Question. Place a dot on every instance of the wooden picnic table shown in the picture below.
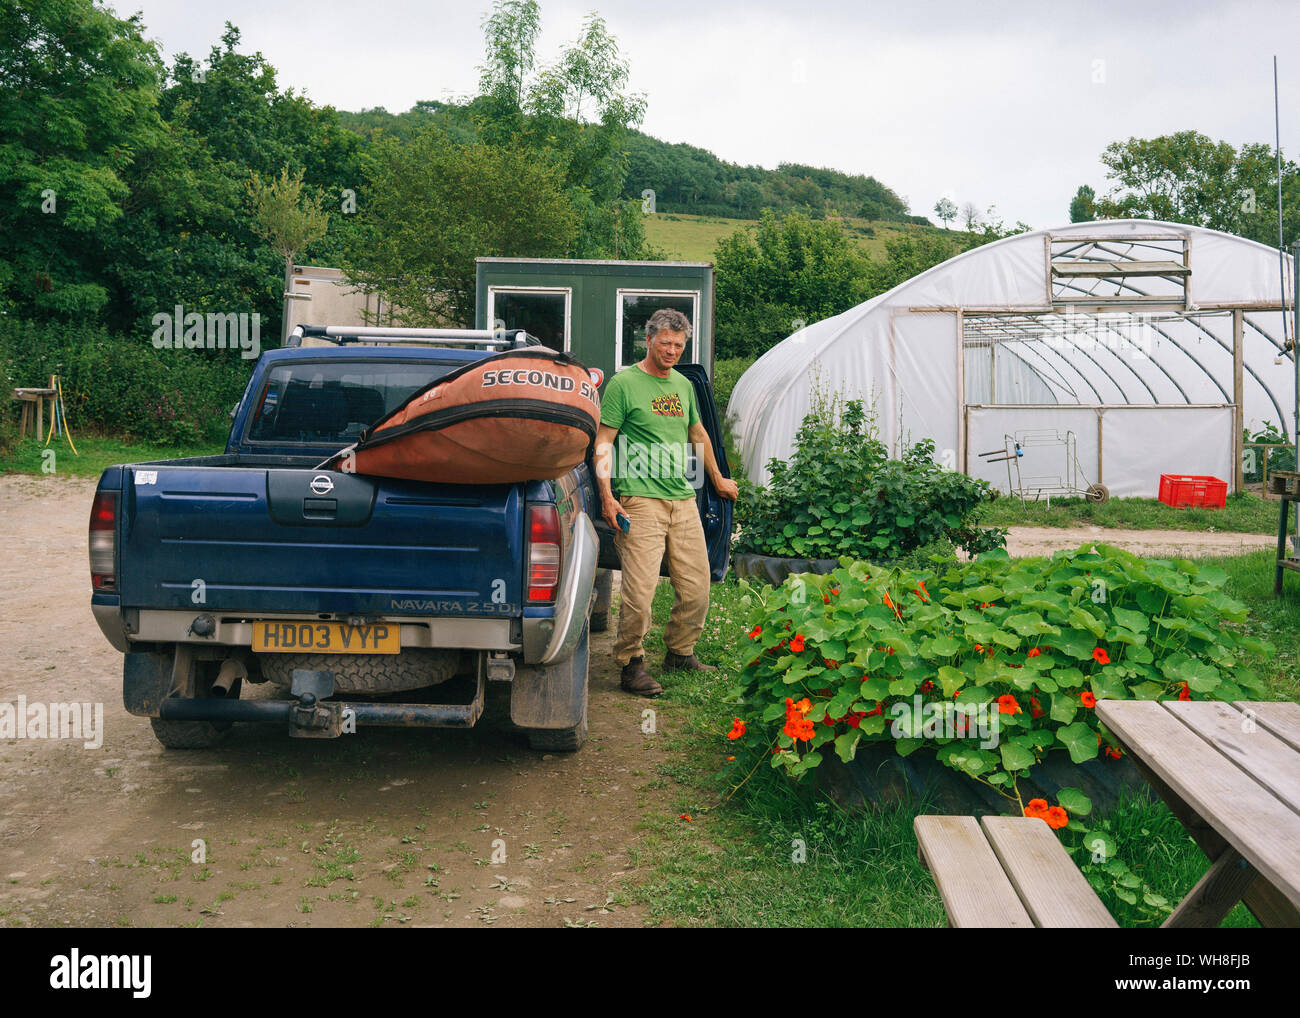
(1231, 774)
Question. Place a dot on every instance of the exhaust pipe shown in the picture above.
(233, 670)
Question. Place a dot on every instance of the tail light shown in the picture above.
(103, 541)
(543, 564)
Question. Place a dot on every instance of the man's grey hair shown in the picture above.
(669, 320)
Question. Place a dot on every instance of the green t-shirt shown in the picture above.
(653, 417)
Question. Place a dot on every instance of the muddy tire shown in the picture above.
(194, 734)
(603, 589)
(567, 740)
(413, 668)
(188, 734)
(561, 740)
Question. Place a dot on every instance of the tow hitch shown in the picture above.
(311, 719)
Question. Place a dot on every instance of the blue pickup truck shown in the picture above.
(359, 599)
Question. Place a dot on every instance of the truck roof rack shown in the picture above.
(391, 336)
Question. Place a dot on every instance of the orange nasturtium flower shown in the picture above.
(1007, 704)
(756, 632)
(796, 644)
(737, 729)
(893, 606)
(1185, 693)
(1113, 753)
(684, 816)
(1034, 652)
(1056, 817)
(1087, 699)
(1100, 656)
(1036, 807)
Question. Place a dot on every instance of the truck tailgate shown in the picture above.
(284, 540)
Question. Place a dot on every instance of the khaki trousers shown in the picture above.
(658, 526)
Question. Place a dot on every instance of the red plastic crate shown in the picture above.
(1180, 490)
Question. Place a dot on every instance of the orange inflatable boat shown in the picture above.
(522, 415)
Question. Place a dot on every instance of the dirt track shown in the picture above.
(384, 827)
(1149, 543)
(387, 826)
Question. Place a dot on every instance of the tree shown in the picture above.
(1190, 178)
(188, 236)
(795, 269)
(78, 90)
(283, 217)
(1083, 205)
(437, 205)
(576, 112)
(510, 32)
(971, 214)
(946, 210)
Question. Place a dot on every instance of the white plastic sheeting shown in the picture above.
(1117, 348)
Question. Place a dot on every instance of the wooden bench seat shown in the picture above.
(1006, 872)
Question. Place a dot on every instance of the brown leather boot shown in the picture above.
(686, 663)
(637, 680)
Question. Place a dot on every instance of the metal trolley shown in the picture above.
(1069, 482)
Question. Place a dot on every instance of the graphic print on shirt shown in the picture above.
(667, 406)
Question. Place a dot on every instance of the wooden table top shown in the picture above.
(1237, 766)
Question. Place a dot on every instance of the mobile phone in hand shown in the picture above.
(624, 524)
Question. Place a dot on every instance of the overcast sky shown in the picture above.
(997, 104)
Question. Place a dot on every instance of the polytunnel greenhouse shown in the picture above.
(1104, 353)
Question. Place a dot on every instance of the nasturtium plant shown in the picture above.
(1022, 648)
(994, 663)
(841, 494)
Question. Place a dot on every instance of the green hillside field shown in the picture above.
(688, 238)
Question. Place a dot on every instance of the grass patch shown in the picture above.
(94, 454)
(1244, 513)
(691, 238)
(779, 855)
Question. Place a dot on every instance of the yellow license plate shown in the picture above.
(326, 638)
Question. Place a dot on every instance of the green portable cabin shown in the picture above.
(595, 310)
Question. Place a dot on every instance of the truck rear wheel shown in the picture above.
(561, 740)
(567, 740)
(188, 734)
(195, 734)
(413, 668)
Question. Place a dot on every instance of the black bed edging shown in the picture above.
(878, 776)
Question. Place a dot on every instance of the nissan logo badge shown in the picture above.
(321, 484)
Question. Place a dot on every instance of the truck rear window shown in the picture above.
(315, 402)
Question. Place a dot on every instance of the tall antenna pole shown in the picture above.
(1281, 273)
(1281, 244)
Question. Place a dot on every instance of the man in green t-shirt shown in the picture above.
(648, 419)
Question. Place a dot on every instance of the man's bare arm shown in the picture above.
(609, 505)
(724, 486)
